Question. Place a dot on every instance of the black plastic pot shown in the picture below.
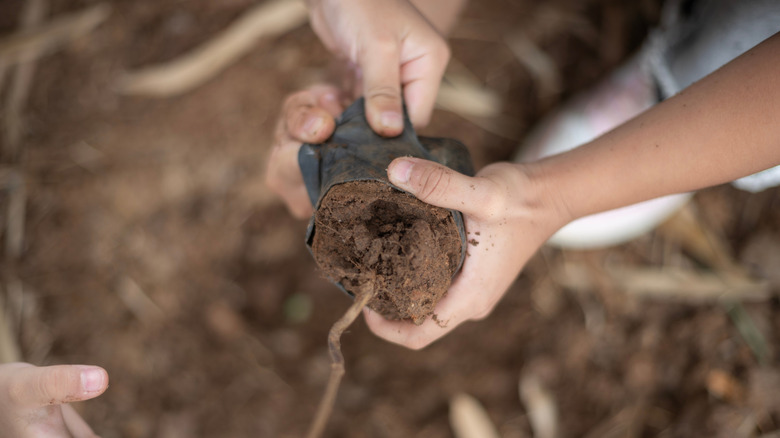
(355, 153)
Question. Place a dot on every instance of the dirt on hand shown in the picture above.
(367, 231)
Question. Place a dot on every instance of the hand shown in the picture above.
(504, 209)
(393, 45)
(33, 400)
(308, 116)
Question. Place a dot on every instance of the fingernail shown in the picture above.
(92, 380)
(391, 120)
(313, 125)
(400, 171)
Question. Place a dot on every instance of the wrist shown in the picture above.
(544, 198)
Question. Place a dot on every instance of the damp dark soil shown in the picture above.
(367, 231)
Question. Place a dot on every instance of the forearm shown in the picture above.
(723, 127)
(442, 14)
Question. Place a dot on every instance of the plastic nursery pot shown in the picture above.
(355, 153)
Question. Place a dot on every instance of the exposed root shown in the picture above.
(337, 360)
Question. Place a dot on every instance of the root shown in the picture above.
(337, 359)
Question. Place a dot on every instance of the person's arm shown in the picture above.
(719, 129)
(724, 127)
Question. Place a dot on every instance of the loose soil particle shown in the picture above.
(367, 231)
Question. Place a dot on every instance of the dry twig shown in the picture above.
(32, 16)
(337, 360)
(9, 348)
(139, 303)
(14, 225)
(189, 71)
(463, 94)
(627, 423)
(699, 240)
(13, 127)
(673, 283)
(540, 65)
(468, 418)
(40, 40)
(541, 406)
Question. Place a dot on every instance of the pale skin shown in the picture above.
(34, 400)
(719, 129)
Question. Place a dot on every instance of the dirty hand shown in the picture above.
(393, 45)
(33, 400)
(507, 214)
(308, 116)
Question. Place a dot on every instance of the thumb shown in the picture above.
(439, 185)
(41, 386)
(382, 89)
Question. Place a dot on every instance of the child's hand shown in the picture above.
(307, 117)
(33, 400)
(505, 211)
(393, 45)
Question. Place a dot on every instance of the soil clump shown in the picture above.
(367, 231)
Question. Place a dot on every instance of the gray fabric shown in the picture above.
(698, 37)
(690, 45)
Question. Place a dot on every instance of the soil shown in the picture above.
(369, 234)
(153, 248)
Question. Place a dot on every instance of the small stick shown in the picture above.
(44, 38)
(32, 15)
(14, 226)
(337, 361)
(267, 19)
(9, 346)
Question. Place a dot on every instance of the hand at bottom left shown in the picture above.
(34, 400)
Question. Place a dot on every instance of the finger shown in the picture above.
(42, 386)
(75, 424)
(308, 116)
(403, 332)
(331, 102)
(421, 77)
(283, 176)
(443, 187)
(382, 86)
(458, 306)
(466, 300)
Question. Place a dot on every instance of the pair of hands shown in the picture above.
(34, 400)
(398, 50)
(504, 209)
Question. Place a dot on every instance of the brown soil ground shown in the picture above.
(153, 248)
(372, 238)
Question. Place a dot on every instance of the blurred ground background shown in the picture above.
(151, 247)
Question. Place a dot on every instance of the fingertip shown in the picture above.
(420, 121)
(94, 380)
(386, 123)
(402, 333)
(420, 117)
(391, 122)
(400, 170)
(384, 114)
(317, 129)
(304, 119)
(420, 100)
(330, 100)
